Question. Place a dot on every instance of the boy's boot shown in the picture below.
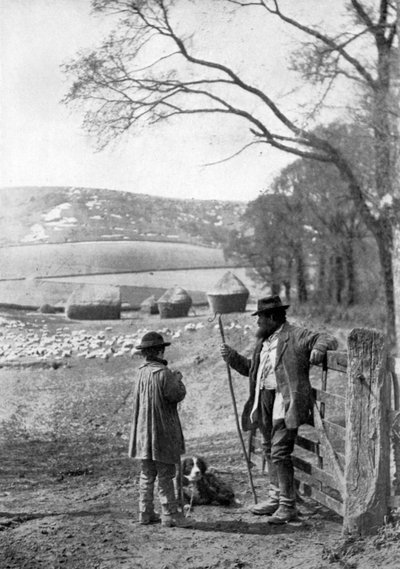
(170, 517)
(176, 519)
(287, 510)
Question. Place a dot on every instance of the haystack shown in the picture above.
(149, 305)
(228, 295)
(94, 302)
(174, 303)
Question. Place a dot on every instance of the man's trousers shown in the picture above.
(278, 445)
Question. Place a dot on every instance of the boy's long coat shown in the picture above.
(292, 367)
(156, 431)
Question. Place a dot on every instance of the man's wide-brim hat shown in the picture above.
(269, 304)
(152, 340)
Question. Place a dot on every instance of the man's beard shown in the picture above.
(262, 333)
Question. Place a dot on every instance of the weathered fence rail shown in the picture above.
(344, 460)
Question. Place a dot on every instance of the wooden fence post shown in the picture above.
(367, 461)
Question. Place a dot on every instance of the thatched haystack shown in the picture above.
(94, 302)
(47, 309)
(174, 303)
(228, 295)
(149, 305)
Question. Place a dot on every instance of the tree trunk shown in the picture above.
(275, 282)
(322, 294)
(385, 244)
(350, 273)
(321, 272)
(302, 293)
(287, 282)
(330, 289)
(396, 257)
(339, 278)
(287, 287)
(396, 193)
(396, 376)
(275, 288)
(384, 178)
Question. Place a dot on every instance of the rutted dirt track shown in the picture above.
(68, 491)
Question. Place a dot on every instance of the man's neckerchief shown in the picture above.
(156, 359)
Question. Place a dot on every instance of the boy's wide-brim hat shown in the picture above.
(268, 304)
(152, 340)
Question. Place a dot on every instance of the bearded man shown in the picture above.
(280, 396)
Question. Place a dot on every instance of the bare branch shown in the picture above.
(378, 29)
(362, 14)
(245, 147)
(331, 43)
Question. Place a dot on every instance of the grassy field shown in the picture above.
(57, 259)
(139, 268)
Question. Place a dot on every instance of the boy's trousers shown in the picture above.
(165, 473)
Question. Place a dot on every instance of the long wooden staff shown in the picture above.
(221, 329)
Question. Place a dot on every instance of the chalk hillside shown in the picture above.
(30, 215)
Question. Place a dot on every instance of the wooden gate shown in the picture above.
(344, 459)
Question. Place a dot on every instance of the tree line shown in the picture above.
(304, 234)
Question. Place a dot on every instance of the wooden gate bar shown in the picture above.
(367, 465)
(337, 360)
(328, 397)
(321, 408)
(316, 473)
(328, 501)
(312, 446)
(328, 448)
(394, 501)
(336, 434)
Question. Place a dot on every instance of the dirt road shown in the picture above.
(69, 493)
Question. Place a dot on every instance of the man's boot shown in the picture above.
(268, 507)
(147, 518)
(287, 510)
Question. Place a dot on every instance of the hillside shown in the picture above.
(70, 214)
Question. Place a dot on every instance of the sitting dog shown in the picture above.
(200, 486)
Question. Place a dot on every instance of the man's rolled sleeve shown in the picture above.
(239, 363)
(325, 342)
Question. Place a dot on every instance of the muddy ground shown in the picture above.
(68, 491)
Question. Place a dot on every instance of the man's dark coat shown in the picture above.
(292, 367)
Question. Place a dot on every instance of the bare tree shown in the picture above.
(336, 227)
(124, 86)
(396, 189)
(273, 246)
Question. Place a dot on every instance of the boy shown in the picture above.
(156, 434)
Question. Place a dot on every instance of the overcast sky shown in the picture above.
(42, 143)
